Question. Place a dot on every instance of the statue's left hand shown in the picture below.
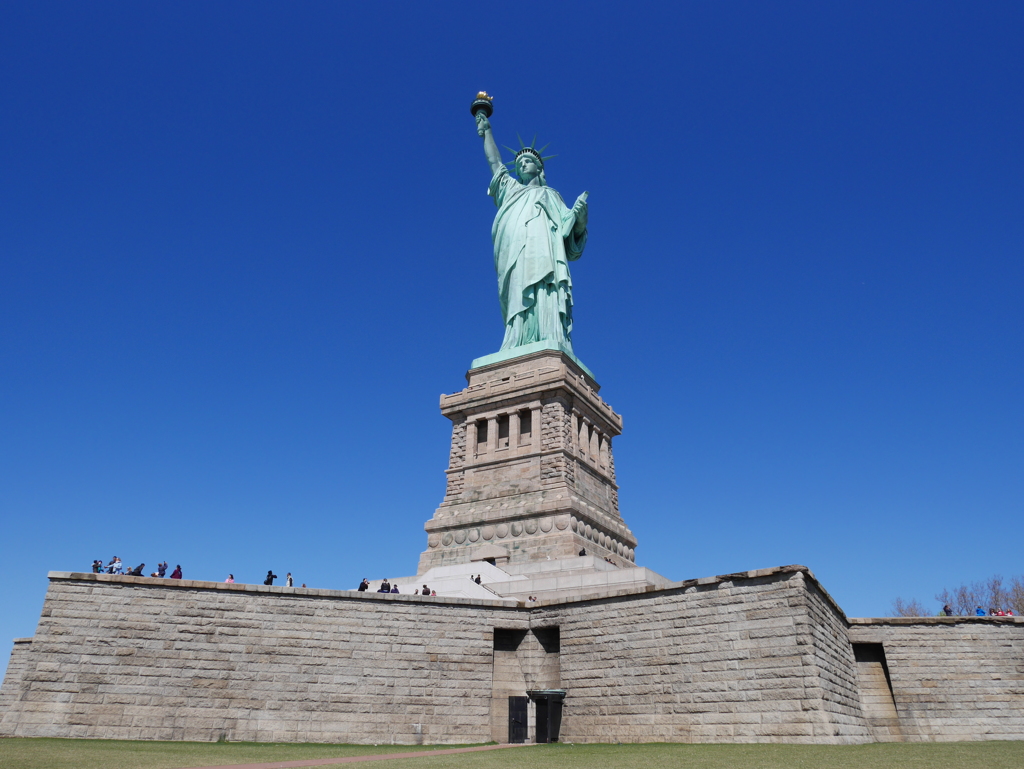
(579, 210)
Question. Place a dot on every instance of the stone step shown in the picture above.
(576, 583)
(581, 563)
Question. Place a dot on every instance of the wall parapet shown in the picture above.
(936, 621)
(308, 592)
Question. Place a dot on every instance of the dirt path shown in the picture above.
(354, 759)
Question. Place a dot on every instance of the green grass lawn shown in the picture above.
(41, 753)
(16, 753)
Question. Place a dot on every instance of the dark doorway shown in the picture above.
(517, 719)
(542, 720)
(549, 713)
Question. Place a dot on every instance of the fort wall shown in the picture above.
(728, 659)
(134, 658)
(760, 656)
(11, 687)
(951, 678)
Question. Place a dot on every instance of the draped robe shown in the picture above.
(533, 244)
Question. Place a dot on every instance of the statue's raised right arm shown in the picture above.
(483, 128)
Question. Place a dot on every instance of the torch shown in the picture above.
(482, 103)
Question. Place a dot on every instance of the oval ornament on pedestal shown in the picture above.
(460, 537)
(446, 539)
(474, 535)
(546, 524)
(433, 540)
(562, 523)
(502, 530)
(531, 526)
(574, 523)
(487, 532)
(517, 529)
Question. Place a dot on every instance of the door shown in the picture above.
(554, 718)
(517, 719)
(542, 719)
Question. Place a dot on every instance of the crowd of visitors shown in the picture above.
(947, 610)
(387, 587)
(116, 566)
(993, 612)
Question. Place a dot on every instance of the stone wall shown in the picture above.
(728, 659)
(133, 658)
(761, 656)
(952, 678)
(835, 663)
(15, 671)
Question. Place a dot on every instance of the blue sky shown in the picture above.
(244, 247)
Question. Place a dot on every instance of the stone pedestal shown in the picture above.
(531, 475)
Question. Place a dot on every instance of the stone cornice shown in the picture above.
(546, 378)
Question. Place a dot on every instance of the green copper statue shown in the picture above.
(535, 237)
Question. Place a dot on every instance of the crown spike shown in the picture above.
(528, 149)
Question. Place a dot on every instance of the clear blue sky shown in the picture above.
(244, 247)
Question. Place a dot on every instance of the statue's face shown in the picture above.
(527, 167)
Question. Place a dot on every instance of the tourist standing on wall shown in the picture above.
(288, 580)
(270, 577)
(176, 574)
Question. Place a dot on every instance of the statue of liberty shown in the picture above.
(535, 237)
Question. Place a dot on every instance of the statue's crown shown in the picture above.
(528, 150)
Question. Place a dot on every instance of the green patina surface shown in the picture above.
(516, 352)
(535, 237)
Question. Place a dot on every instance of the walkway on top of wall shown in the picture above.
(354, 759)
